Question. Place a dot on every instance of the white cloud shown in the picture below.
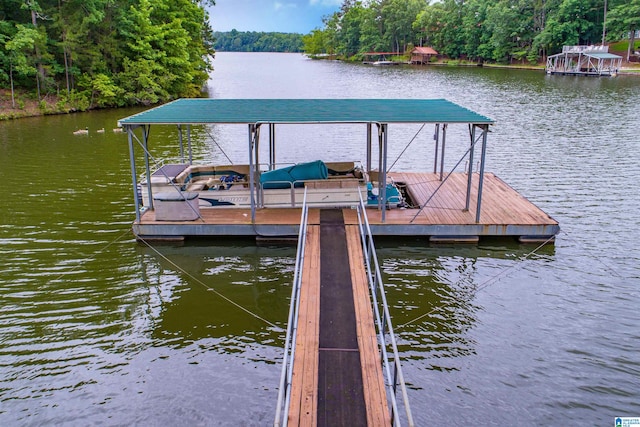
(279, 5)
(326, 3)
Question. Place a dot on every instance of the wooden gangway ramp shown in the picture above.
(337, 375)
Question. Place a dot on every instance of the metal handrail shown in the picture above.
(284, 394)
(291, 187)
(383, 321)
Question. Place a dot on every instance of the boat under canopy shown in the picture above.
(250, 181)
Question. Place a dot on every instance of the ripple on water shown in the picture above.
(93, 332)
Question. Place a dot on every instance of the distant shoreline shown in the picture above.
(29, 106)
(627, 71)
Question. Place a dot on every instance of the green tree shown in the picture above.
(236, 41)
(331, 32)
(575, 22)
(350, 31)
(143, 78)
(96, 48)
(450, 36)
(21, 54)
(371, 30)
(510, 24)
(313, 43)
(84, 32)
(158, 65)
(398, 17)
(477, 36)
(429, 24)
(541, 10)
(624, 21)
(35, 12)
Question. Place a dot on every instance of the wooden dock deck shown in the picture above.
(504, 213)
(337, 373)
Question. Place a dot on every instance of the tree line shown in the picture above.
(503, 31)
(251, 41)
(105, 53)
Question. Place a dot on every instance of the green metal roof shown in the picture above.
(244, 111)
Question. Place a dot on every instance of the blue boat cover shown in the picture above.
(282, 178)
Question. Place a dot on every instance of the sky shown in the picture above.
(285, 16)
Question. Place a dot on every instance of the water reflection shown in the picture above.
(95, 329)
(434, 293)
(221, 291)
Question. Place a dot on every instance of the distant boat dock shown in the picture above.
(380, 58)
(593, 61)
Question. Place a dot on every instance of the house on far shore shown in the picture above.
(422, 55)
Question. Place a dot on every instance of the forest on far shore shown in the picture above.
(76, 55)
(502, 31)
(104, 53)
(252, 41)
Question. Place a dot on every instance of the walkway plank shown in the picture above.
(323, 391)
(371, 363)
(304, 384)
(341, 400)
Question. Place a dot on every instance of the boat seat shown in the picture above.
(197, 186)
(340, 167)
(193, 173)
(232, 170)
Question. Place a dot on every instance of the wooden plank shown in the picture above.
(310, 386)
(238, 216)
(373, 380)
(501, 206)
(341, 398)
(304, 385)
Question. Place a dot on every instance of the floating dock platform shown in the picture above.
(504, 213)
(442, 206)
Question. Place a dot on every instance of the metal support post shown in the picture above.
(145, 138)
(134, 178)
(252, 181)
(444, 141)
(189, 144)
(383, 170)
(470, 176)
(181, 143)
(369, 140)
(272, 146)
(436, 137)
(256, 162)
(378, 184)
(485, 132)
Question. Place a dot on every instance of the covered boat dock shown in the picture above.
(423, 55)
(450, 206)
(584, 61)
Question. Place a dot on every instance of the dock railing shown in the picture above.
(384, 326)
(284, 390)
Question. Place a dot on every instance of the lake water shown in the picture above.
(97, 329)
